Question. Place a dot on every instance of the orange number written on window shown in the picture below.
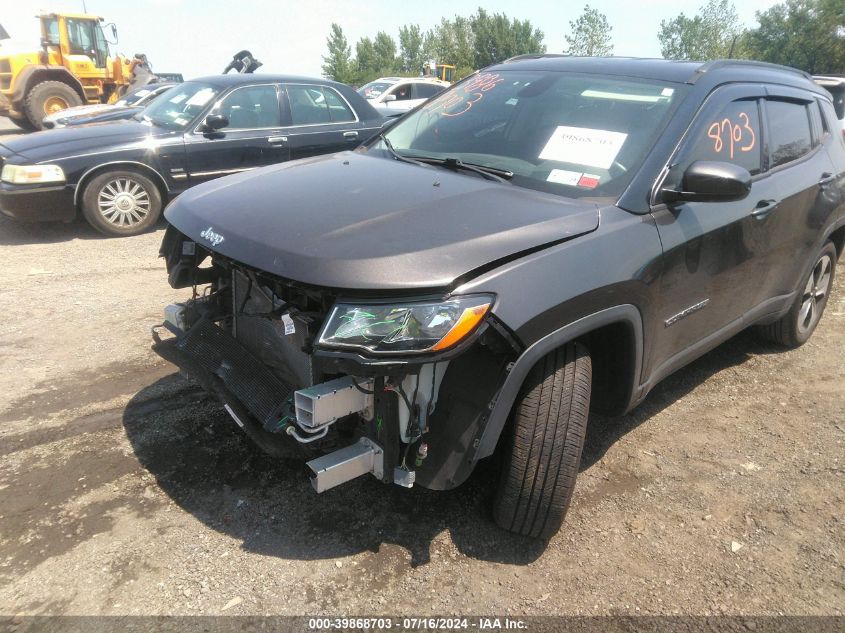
(462, 98)
(729, 136)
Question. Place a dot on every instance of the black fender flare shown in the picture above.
(626, 313)
(50, 73)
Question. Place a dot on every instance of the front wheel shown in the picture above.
(23, 123)
(549, 425)
(121, 203)
(796, 326)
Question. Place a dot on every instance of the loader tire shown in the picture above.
(49, 97)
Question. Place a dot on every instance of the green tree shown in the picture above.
(411, 49)
(496, 38)
(384, 48)
(365, 62)
(451, 42)
(589, 35)
(711, 34)
(805, 34)
(337, 64)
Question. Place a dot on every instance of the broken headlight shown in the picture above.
(404, 327)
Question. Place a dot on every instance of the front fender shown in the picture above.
(627, 314)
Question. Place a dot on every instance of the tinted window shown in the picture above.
(337, 107)
(252, 107)
(790, 136)
(731, 134)
(402, 92)
(426, 91)
(311, 105)
(565, 133)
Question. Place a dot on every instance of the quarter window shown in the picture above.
(790, 137)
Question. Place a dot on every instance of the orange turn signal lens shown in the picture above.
(465, 324)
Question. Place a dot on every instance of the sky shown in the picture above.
(199, 37)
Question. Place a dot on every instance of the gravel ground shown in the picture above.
(125, 490)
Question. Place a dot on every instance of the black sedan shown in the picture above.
(120, 174)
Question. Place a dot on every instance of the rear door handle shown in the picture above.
(826, 179)
(351, 134)
(763, 208)
(277, 139)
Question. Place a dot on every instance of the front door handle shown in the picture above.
(350, 135)
(763, 208)
(277, 139)
(826, 179)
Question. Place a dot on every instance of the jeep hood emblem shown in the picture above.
(211, 236)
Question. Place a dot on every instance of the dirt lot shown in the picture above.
(125, 490)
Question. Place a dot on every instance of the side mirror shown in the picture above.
(214, 122)
(711, 181)
(389, 98)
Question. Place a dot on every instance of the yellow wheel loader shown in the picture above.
(73, 67)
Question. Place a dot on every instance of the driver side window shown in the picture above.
(731, 134)
(402, 92)
(253, 107)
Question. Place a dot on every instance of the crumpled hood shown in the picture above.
(356, 221)
(62, 142)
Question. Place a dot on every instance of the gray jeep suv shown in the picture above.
(549, 236)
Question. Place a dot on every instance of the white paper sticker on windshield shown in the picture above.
(583, 146)
(564, 177)
(201, 98)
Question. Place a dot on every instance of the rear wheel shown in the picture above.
(549, 425)
(121, 203)
(795, 328)
(49, 97)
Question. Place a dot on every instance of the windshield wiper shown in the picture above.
(394, 153)
(490, 173)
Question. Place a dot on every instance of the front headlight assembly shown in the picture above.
(32, 174)
(402, 328)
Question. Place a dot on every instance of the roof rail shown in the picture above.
(721, 63)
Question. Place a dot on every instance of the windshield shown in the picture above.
(178, 107)
(374, 89)
(570, 134)
(134, 97)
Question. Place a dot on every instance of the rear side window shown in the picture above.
(310, 105)
(790, 136)
(731, 135)
(426, 91)
(338, 110)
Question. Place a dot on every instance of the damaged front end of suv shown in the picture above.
(399, 388)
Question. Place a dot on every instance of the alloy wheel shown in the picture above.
(815, 292)
(124, 202)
